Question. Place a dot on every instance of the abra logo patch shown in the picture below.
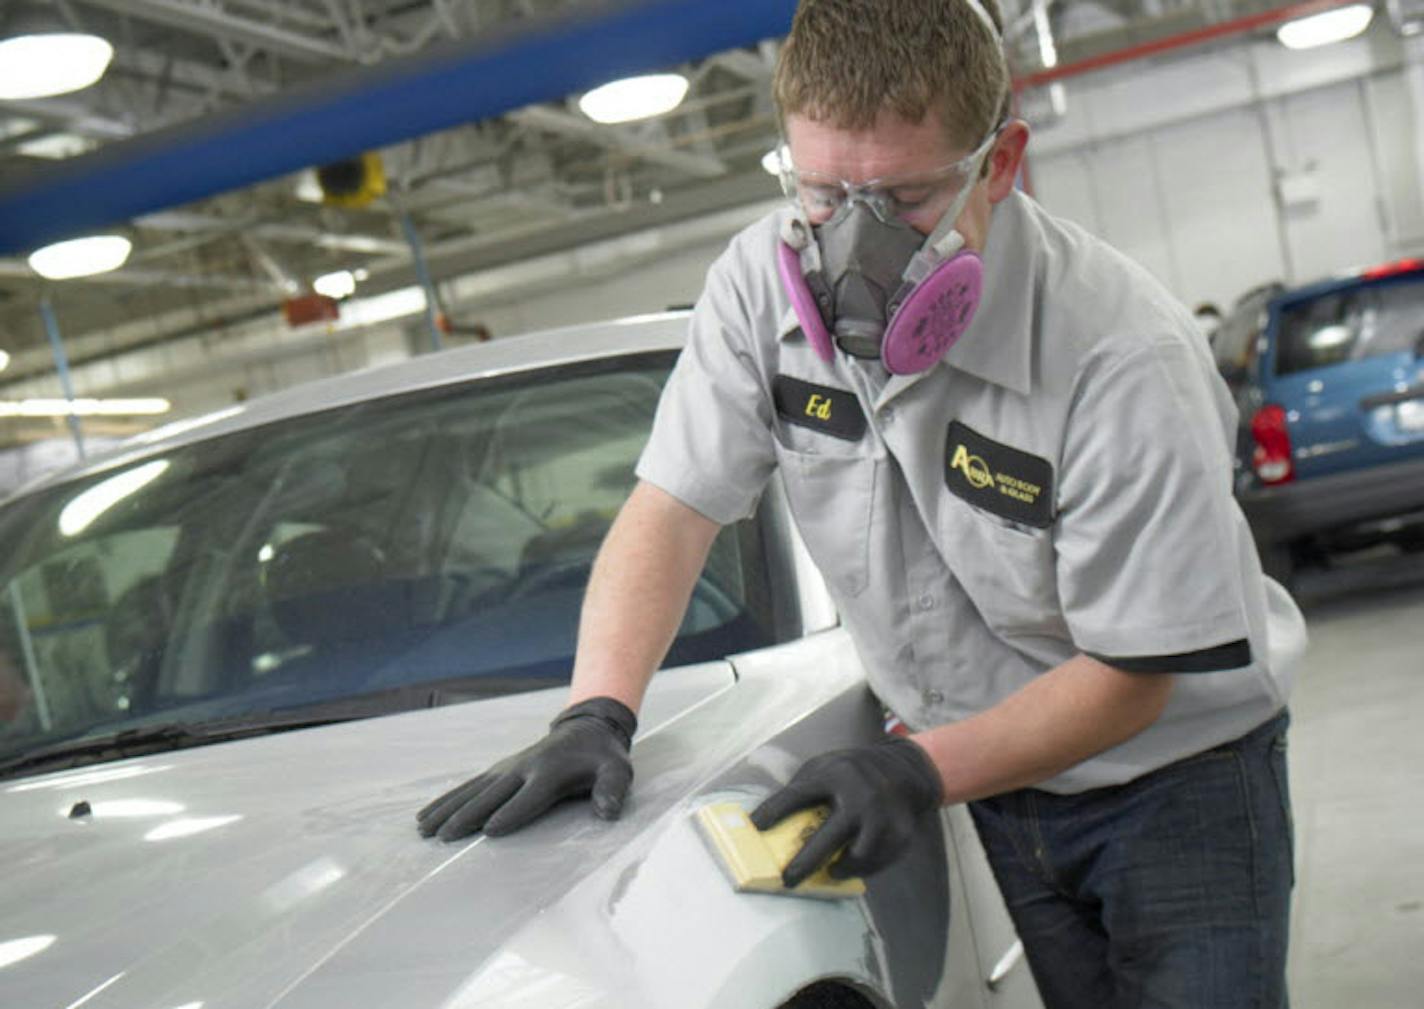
(835, 412)
(997, 478)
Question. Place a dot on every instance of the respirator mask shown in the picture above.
(863, 279)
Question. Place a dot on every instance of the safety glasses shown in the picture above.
(893, 199)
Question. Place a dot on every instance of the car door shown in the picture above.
(1003, 972)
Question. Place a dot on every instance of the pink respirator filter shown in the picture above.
(788, 264)
(933, 317)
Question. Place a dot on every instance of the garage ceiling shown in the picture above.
(530, 181)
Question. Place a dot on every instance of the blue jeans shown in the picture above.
(1169, 892)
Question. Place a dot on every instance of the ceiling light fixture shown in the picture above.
(84, 407)
(1322, 29)
(634, 98)
(81, 257)
(51, 63)
(307, 189)
(338, 285)
(56, 146)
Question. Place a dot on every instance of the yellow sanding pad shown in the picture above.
(754, 859)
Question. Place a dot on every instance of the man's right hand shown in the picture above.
(585, 753)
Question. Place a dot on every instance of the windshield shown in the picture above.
(1351, 325)
(436, 540)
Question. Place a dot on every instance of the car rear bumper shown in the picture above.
(1320, 504)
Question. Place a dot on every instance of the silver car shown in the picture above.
(236, 659)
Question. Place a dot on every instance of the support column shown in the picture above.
(61, 364)
(1398, 132)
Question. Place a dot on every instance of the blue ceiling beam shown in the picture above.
(372, 107)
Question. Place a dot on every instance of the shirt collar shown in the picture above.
(997, 346)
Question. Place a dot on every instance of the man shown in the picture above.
(1208, 318)
(1029, 533)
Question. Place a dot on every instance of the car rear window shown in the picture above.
(1351, 325)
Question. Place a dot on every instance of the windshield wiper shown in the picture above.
(145, 739)
(159, 737)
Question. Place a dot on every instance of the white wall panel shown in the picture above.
(1218, 207)
(1391, 130)
(1130, 211)
(1065, 183)
(1328, 138)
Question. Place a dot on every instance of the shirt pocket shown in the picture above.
(1009, 570)
(831, 490)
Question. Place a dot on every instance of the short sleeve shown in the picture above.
(711, 444)
(1149, 566)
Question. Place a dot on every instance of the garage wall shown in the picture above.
(1225, 170)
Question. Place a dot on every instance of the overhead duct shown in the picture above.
(374, 107)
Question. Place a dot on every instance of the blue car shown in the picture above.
(1329, 379)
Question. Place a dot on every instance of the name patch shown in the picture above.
(997, 478)
(835, 412)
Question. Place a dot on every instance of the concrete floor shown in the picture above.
(1357, 777)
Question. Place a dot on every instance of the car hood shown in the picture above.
(230, 875)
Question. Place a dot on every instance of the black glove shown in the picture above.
(585, 752)
(877, 795)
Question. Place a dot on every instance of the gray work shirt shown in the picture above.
(1061, 483)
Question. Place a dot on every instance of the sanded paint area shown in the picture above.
(1357, 767)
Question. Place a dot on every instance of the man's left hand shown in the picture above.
(877, 795)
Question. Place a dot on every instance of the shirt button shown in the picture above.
(933, 698)
(926, 601)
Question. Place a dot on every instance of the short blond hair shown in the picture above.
(847, 61)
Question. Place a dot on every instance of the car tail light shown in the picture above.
(1272, 458)
(1394, 269)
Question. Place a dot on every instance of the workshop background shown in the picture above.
(292, 190)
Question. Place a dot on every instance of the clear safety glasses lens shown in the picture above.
(822, 197)
(892, 200)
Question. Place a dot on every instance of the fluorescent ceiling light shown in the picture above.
(308, 189)
(81, 257)
(14, 127)
(1322, 29)
(634, 98)
(57, 146)
(361, 243)
(84, 407)
(776, 160)
(392, 305)
(87, 506)
(341, 284)
(53, 63)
